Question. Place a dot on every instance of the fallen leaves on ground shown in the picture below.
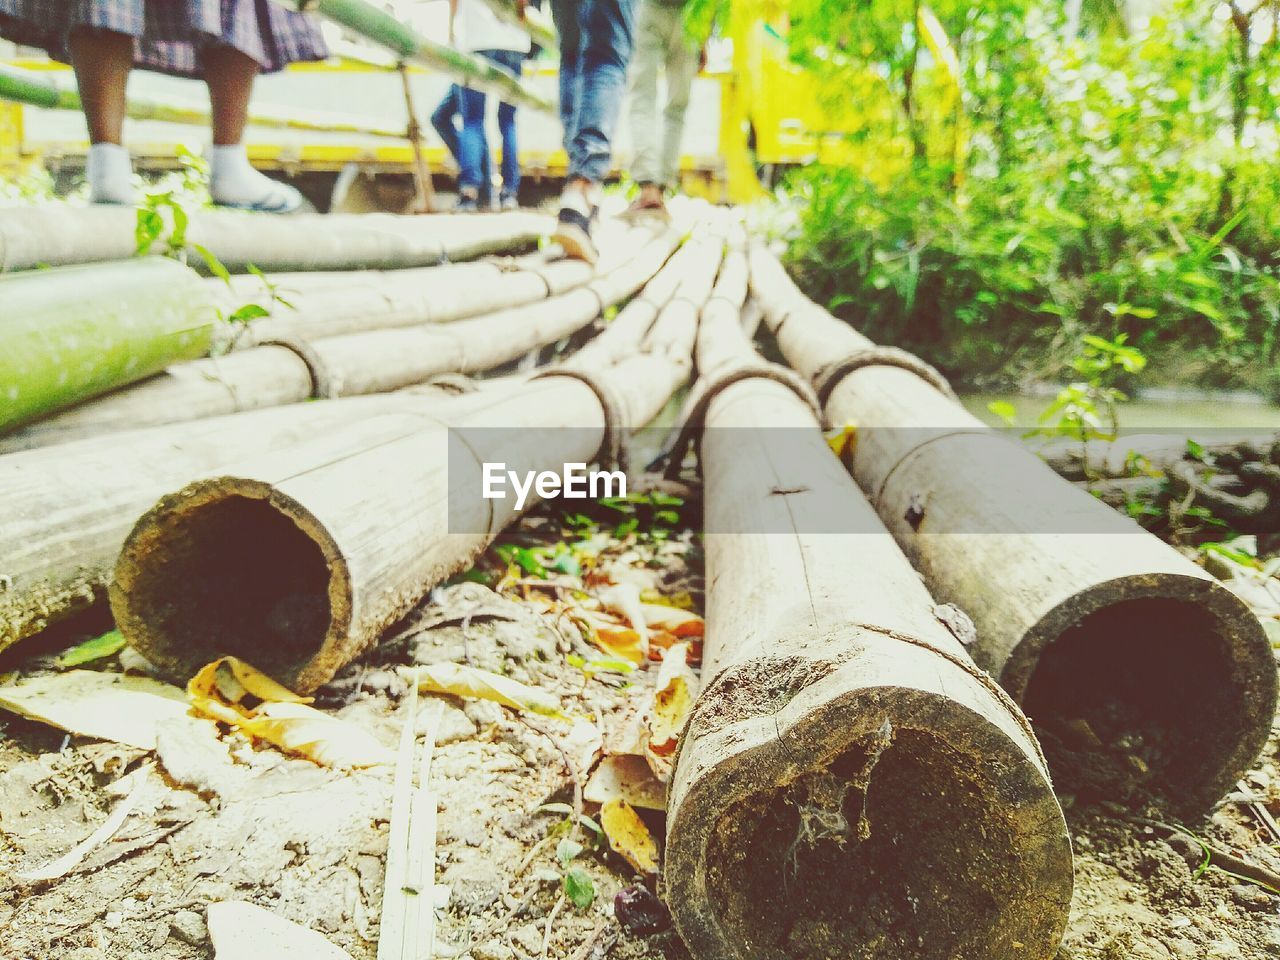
(677, 688)
(625, 777)
(463, 681)
(105, 706)
(241, 696)
(629, 836)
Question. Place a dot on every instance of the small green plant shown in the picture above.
(1088, 408)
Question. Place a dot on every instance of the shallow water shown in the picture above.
(1229, 413)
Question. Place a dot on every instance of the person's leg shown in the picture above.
(642, 103)
(607, 38)
(566, 14)
(473, 147)
(682, 68)
(233, 182)
(510, 139)
(102, 62)
(443, 121)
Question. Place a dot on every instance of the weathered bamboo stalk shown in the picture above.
(1143, 674)
(298, 561)
(43, 90)
(849, 783)
(74, 333)
(327, 304)
(371, 362)
(58, 235)
(66, 510)
(410, 46)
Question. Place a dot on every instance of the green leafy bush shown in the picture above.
(1118, 179)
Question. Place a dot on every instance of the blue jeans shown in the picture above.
(470, 145)
(596, 39)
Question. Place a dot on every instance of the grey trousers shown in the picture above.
(661, 46)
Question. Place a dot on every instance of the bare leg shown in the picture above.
(233, 181)
(229, 75)
(102, 61)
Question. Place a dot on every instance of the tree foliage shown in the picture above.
(1103, 167)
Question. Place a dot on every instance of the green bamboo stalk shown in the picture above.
(410, 46)
(72, 333)
(534, 22)
(30, 87)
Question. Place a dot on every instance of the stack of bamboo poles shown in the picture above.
(67, 508)
(1143, 674)
(287, 366)
(846, 764)
(300, 558)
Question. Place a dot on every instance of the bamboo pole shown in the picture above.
(66, 510)
(407, 44)
(300, 559)
(350, 365)
(1145, 677)
(77, 332)
(845, 764)
(43, 90)
(328, 304)
(61, 234)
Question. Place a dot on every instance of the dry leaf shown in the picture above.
(613, 636)
(235, 693)
(624, 599)
(625, 777)
(105, 706)
(241, 931)
(464, 681)
(680, 623)
(629, 836)
(677, 688)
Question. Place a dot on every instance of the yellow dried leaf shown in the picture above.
(629, 837)
(280, 717)
(842, 440)
(681, 623)
(463, 681)
(677, 689)
(625, 777)
(613, 636)
(105, 706)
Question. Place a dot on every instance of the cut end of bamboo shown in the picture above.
(230, 567)
(1153, 688)
(889, 822)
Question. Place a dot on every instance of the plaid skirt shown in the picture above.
(168, 35)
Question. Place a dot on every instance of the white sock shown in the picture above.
(234, 182)
(110, 174)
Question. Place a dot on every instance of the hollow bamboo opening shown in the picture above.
(223, 569)
(1149, 699)
(925, 836)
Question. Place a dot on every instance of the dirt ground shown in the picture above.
(309, 843)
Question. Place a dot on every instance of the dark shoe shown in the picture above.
(509, 203)
(573, 228)
(467, 203)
